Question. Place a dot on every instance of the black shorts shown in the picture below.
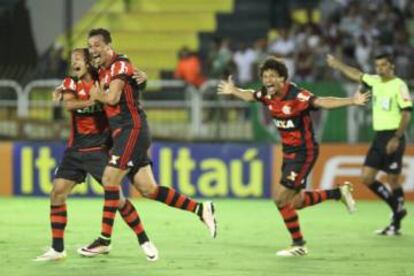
(296, 168)
(75, 165)
(130, 150)
(377, 157)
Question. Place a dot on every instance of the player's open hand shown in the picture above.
(94, 91)
(57, 94)
(139, 76)
(332, 61)
(361, 98)
(226, 87)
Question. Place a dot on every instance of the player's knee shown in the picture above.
(58, 196)
(121, 203)
(147, 190)
(367, 179)
(298, 203)
(107, 179)
(279, 201)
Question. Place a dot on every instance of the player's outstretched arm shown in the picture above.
(358, 99)
(350, 72)
(139, 76)
(112, 97)
(228, 88)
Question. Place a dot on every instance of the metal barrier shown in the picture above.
(197, 114)
(224, 118)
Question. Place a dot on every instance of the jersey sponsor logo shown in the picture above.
(303, 96)
(90, 109)
(285, 124)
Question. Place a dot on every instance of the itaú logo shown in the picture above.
(285, 124)
(350, 166)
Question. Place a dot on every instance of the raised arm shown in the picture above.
(333, 102)
(228, 88)
(350, 72)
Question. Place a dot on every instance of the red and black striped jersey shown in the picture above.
(291, 115)
(89, 125)
(127, 113)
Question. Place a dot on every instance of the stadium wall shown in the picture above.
(227, 170)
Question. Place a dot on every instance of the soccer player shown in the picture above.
(391, 112)
(120, 95)
(86, 152)
(290, 108)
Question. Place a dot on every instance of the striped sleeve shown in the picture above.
(69, 84)
(121, 70)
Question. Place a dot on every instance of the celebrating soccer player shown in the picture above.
(86, 152)
(391, 113)
(290, 108)
(119, 93)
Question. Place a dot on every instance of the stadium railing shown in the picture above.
(195, 114)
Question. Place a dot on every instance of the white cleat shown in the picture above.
(346, 190)
(94, 249)
(51, 255)
(208, 217)
(150, 251)
(294, 251)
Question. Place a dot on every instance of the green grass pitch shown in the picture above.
(250, 232)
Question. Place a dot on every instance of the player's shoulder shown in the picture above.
(70, 83)
(371, 77)
(298, 92)
(121, 65)
(400, 81)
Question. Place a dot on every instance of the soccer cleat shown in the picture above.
(208, 217)
(394, 229)
(346, 190)
(150, 251)
(390, 230)
(98, 247)
(51, 255)
(294, 251)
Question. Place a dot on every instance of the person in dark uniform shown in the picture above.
(290, 107)
(391, 113)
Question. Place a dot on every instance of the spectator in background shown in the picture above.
(284, 47)
(220, 60)
(260, 50)
(363, 53)
(305, 59)
(56, 65)
(189, 68)
(244, 59)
